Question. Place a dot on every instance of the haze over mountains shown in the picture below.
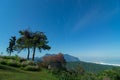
(68, 58)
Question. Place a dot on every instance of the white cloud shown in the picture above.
(95, 15)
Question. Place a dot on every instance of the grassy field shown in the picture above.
(10, 73)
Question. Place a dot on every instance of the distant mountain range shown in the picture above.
(89, 67)
(72, 63)
(68, 58)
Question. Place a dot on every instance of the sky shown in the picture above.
(88, 29)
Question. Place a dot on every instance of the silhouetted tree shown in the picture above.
(39, 41)
(32, 40)
(11, 46)
(24, 42)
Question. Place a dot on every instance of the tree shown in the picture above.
(39, 41)
(55, 61)
(11, 46)
(24, 42)
(32, 40)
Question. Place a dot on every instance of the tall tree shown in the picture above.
(24, 42)
(11, 46)
(32, 40)
(39, 41)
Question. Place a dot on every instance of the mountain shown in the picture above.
(73, 62)
(37, 59)
(68, 58)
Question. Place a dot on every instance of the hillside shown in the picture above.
(11, 73)
(89, 67)
(70, 58)
(73, 62)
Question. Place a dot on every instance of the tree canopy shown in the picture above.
(24, 41)
(32, 40)
(11, 46)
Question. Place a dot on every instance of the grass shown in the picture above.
(10, 73)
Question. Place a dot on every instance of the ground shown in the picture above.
(10, 73)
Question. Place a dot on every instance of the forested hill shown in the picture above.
(73, 62)
(89, 67)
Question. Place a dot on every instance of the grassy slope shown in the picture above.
(10, 73)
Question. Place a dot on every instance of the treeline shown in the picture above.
(28, 40)
(89, 67)
(113, 74)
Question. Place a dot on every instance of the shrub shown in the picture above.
(55, 61)
(13, 63)
(31, 68)
(11, 57)
(43, 65)
(17, 58)
(26, 63)
(23, 59)
(5, 57)
(67, 76)
(3, 61)
(8, 57)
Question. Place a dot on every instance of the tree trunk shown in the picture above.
(28, 53)
(10, 54)
(34, 49)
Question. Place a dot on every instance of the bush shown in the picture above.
(11, 57)
(67, 76)
(23, 59)
(25, 63)
(31, 68)
(43, 65)
(13, 63)
(3, 61)
(8, 57)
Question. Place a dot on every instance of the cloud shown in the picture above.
(95, 15)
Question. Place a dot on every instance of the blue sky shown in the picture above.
(83, 28)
